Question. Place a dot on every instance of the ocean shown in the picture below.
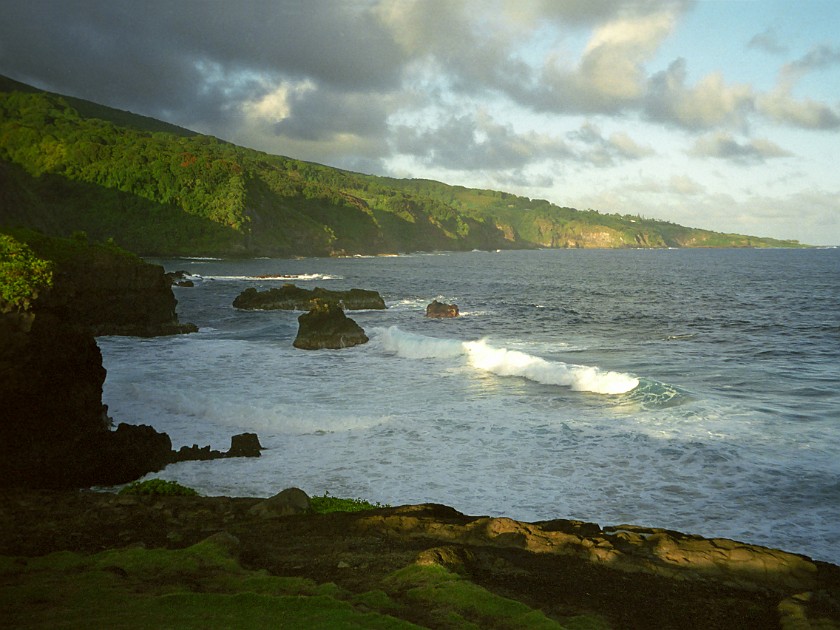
(695, 390)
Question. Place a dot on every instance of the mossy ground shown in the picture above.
(91, 559)
(204, 586)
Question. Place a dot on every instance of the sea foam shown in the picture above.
(503, 362)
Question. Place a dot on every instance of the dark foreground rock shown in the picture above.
(54, 429)
(114, 294)
(441, 310)
(426, 564)
(292, 298)
(326, 326)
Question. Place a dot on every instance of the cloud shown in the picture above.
(610, 74)
(597, 150)
(725, 146)
(475, 142)
(768, 41)
(781, 106)
(684, 185)
(708, 104)
(182, 57)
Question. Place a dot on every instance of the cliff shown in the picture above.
(56, 295)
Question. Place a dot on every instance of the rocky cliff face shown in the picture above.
(117, 295)
(54, 429)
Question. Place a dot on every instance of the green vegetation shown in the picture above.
(326, 504)
(153, 188)
(22, 274)
(31, 260)
(158, 487)
(202, 586)
(458, 603)
(205, 586)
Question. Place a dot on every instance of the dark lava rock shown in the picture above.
(285, 503)
(115, 295)
(55, 431)
(292, 298)
(326, 326)
(441, 310)
(244, 445)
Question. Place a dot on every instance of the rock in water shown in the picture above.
(439, 309)
(292, 298)
(244, 445)
(326, 326)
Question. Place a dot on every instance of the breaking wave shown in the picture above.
(271, 277)
(503, 362)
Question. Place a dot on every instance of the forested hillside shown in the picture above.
(68, 165)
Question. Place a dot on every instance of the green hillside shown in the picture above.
(67, 165)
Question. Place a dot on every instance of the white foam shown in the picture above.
(276, 277)
(504, 362)
(413, 346)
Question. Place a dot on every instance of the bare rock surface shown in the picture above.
(441, 310)
(326, 326)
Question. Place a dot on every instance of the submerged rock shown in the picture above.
(326, 326)
(292, 298)
(441, 310)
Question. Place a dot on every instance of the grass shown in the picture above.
(326, 504)
(202, 586)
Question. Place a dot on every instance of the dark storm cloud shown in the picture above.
(319, 115)
(192, 60)
(476, 142)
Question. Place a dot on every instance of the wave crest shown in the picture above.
(504, 362)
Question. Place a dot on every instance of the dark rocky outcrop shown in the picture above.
(441, 310)
(115, 295)
(242, 445)
(287, 502)
(54, 429)
(326, 326)
(292, 298)
(179, 279)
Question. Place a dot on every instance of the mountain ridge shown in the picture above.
(70, 165)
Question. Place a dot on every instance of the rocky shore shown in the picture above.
(389, 567)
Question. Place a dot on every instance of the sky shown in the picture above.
(718, 114)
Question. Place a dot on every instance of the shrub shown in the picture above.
(22, 274)
(326, 504)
